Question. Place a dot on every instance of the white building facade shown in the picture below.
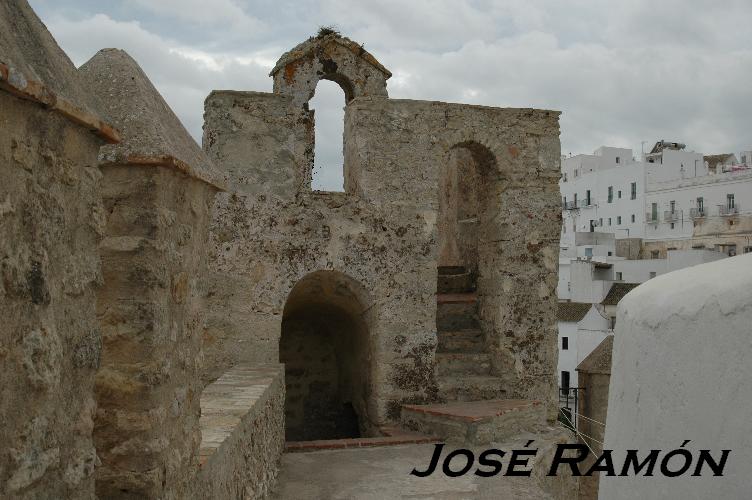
(626, 221)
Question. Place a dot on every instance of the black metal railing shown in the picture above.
(569, 400)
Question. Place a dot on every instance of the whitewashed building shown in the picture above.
(626, 221)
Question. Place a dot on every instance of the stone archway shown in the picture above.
(325, 345)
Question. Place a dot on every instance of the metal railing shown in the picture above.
(570, 205)
(671, 215)
(697, 213)
(726, 210)
(569, 400)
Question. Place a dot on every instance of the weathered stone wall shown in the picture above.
(158, 189)
(150, 310)
(51, 220)
(272, 231)
(394, 149)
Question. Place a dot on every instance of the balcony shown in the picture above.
(570, 205)
(726, 210)
(697, 213)
(671, 215)
(651, 218)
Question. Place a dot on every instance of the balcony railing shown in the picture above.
(726, 210)
(697, 213)
(671, 215)
(570, 205)
(651, 218)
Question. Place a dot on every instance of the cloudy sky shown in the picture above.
(621, 72)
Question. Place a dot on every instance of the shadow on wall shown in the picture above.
(327, 350)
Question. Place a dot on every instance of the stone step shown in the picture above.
(457, 315)
(460, 341)
(455, 283)
(463, 363)
(476, 422)
(444, 270)
(470, 388)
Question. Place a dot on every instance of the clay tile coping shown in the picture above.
(310, 45)
(474, 411)
(18, 84)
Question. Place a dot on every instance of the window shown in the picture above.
(329, 126)
(729, 201)
(618, 220)
(617, 160)
(610, 253)
(633, 217)
(575, 200)
(619, 276)
(653, 211)
(654, 254)
(633, 191)
(672, 204)
(565, 177)
(575, 172)
(744, 159)
(587, 198)
(564, 379)
(652, 274)
(592, 225)
(609, 221)
(672, 225)
(700, 204)
(612, 322)
(610, 194)
(588, 251)
(747, 250)
(565, 343)
(600, 222)
(618, 194)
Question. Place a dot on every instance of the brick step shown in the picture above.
(470, 388)
(460, 341)
(455, 283)
(444, 270)
(463, 363)
(393, 436)
(457, 315)
(475, 422)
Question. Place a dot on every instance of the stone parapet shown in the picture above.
(242, 433)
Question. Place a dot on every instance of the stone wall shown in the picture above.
(51, 220)
(158, 189)
(242, 427)
(272, 231)
(153, 260)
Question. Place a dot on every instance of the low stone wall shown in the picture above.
(242, 433)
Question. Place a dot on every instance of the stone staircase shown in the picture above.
(464, 364)
(475, 409)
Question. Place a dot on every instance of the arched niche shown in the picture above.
(326, 347)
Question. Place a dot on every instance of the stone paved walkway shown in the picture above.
(384, 474)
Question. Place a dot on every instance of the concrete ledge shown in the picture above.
(242, 432)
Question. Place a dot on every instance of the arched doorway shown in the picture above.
(326, 348)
